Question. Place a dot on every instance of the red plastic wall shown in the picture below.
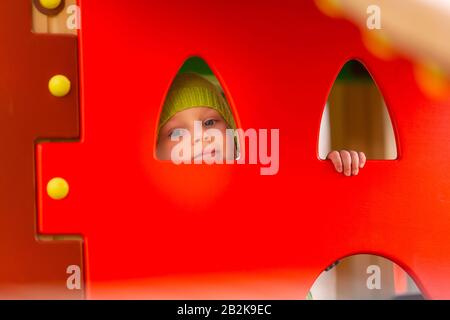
(156, 230)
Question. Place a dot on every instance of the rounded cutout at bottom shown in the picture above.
(365, 277)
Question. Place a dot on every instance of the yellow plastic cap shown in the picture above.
(59, 86)
(57, 188)
(50, 4)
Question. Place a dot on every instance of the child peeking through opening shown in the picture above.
(194, 101)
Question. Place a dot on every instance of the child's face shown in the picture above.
(210, 119)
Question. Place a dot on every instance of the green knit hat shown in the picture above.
(190, 90)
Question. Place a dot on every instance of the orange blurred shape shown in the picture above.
(331, 8)
(432, 80)
(378, 44)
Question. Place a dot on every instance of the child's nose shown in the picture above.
(208, 138)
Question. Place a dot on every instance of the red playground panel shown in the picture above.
(153, 229)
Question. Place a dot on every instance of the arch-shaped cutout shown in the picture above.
(365, 277)
(195, 104)
(356, 116)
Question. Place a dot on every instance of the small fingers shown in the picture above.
(362, 159)
(355, 162)
(335, 157)
(346, 161)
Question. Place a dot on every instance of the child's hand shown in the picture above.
(348, 162)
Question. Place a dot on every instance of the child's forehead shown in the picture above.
(194, 112)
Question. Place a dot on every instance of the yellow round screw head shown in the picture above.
(59, 85)
(50, 4)
(57, 188)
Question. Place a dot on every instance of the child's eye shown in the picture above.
(209, 122)
(175, 133)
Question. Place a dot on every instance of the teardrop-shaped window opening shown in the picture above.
(365, 277)
(196, 124)
(356, 117)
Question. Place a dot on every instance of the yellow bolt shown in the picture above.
(59, 85)
(50, 4)
(57, 188)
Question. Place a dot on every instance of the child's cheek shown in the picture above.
(163, 151)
